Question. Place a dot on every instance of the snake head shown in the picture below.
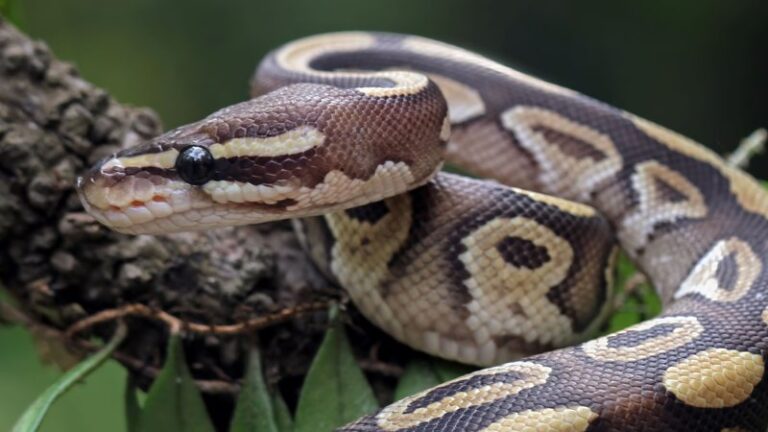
(300, 151)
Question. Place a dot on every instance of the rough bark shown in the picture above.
(62, 267)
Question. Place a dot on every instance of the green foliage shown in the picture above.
(174, 402)
(282, 414)
(335, 391)
(640, 304)
(132, 406)
(11, 9)
(254, 411)
(32, 418)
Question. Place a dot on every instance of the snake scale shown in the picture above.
(346, 134)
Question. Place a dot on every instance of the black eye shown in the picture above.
(195, 165)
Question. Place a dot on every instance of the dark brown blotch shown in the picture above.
(727, 272)
(521, 252)
(471, 383)
(370, 213)
(634, 338)
(569, 144)
(668, 193)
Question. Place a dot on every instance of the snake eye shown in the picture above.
(195, 165)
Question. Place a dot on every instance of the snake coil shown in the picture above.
(347, 133)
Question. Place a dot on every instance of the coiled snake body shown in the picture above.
(472, 270)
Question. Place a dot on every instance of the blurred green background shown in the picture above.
(697, 66)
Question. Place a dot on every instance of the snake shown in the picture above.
(509, 267)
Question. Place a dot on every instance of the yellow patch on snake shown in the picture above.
(561, 419)
(431, 48)
(704, 280)
(445, 129)
(571, 207)
(297, 56)
(654, 183)
(464, 102)
(336, 190)
(294, 141)
(574, 159)
(508, 299)
(361, 254)
(399, 415)
(715, 378)
(750, 194)
(164, 160)
(686, 330)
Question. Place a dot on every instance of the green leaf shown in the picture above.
(419, 375)
(335, 391)
(132, 407)
(174, 402)
(254, 412)
(31, 419)
(282, 414)
(448, 370)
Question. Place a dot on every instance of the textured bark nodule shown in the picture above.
(62, 266)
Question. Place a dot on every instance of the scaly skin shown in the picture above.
(473, 270)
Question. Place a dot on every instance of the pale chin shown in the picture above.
(201, 219)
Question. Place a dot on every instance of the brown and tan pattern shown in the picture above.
(644, 340)
(725, 273)
(664, 196)
(573, 158)
(354, 126)
(472, 390)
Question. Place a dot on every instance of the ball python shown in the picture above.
(346, 134)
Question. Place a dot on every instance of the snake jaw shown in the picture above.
(140, 201)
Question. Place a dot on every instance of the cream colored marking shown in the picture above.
(703, 278)
(390, 178)
(570, 207)
(404, 83)
(715, 378)
(499, 289)
(686, 330)
(749, 193)
(652, 208)
(335, 191)
(464, 102)
(239, 192)
(561, 173)
(445, 129)
(561, 419)
(362, 251)
(431, 48)
(394, 417)
(164, 160)
(294, 141)
(298, 55)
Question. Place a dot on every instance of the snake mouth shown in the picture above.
(171, 207)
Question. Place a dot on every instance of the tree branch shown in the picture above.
(62, 267)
